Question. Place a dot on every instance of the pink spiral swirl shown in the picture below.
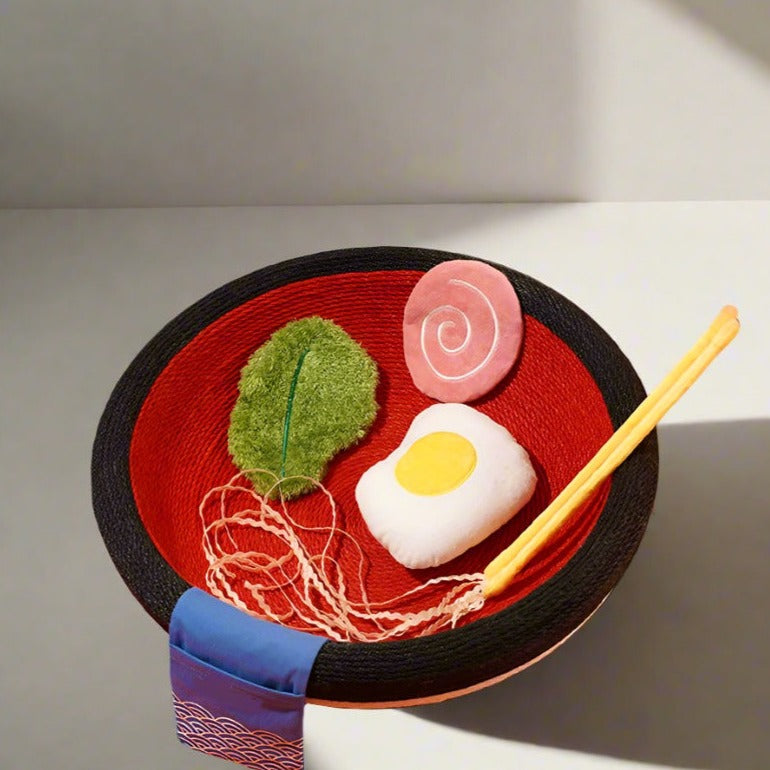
(462, 330)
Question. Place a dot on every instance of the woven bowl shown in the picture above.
(162, 444)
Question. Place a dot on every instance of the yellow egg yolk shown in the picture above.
(436, 464)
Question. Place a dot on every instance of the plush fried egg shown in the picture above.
(456, 477)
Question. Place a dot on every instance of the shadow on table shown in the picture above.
(675, 668)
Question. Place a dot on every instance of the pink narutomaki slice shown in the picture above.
(462, 330)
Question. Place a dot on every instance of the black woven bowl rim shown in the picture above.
(449, 661)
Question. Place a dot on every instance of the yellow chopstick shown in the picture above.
(502, 569)
(727, 313)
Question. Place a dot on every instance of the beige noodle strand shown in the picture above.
(309, 590)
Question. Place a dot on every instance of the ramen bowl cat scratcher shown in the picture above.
(161, 446)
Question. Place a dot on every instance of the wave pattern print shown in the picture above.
(228, 739)
(462, 330)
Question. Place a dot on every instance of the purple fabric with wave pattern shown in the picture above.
(239, 683)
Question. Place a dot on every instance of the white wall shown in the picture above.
(183, 102)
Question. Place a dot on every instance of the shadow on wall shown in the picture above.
(675, 668)
(745, 24)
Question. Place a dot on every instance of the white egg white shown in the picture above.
(423, 531)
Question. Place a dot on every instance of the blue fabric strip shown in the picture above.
(239, 682)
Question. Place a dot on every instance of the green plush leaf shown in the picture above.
(305, 395)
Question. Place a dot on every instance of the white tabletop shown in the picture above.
(673, 670)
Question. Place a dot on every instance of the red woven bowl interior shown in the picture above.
(549, 403)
